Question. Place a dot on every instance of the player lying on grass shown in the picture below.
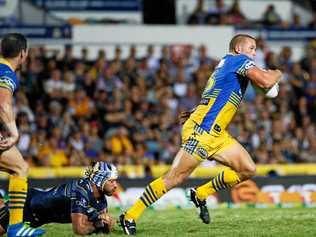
(81, 202)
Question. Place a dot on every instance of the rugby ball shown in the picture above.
(270, 93)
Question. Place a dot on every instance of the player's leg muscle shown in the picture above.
(181, 168)
(12, 161)
(237, 158)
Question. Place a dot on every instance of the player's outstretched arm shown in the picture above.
(264, 78)
(7, 118)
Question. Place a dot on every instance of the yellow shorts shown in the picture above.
(201, 144)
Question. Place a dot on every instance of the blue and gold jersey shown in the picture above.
(223, 94)
(56, 204)
(8, 77)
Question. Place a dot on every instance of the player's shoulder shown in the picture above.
(6, 71)
(237, 58)
(8, 77)
(83, 183)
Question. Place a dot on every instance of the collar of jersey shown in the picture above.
(6, 62)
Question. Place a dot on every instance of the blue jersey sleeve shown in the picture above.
(8, 78)
(8, 82)
(241, 64)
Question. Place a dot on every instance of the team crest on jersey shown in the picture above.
(202, 152)
(249, 64)
(204, 101)
(82, 203)
(217, 128)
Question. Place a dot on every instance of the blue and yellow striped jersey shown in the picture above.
(223, 93)
(8, 77)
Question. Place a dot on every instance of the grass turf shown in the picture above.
(241, 222)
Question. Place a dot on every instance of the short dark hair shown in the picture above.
(237, 39)
(12, 45)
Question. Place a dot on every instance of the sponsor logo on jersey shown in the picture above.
(202, 152)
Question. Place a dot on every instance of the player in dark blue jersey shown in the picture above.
(81, 202)
(13, 53)
(205, 135)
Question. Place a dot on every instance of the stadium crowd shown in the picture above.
(225, 14)
(71, 111)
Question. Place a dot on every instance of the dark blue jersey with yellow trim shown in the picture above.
(8, 77)
(56, 204)
(223, 93)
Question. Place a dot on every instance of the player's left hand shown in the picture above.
(184, 116)
(8, 142)
(108, 220)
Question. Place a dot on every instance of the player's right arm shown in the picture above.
(264, 78)
(85, 219)
(81, 224)
(7, 118)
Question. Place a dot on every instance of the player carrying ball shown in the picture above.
(205, 136)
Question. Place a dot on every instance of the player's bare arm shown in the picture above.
(264, 78)
(81, 224)
(8, 119)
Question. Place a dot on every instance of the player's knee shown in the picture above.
(180, 179)
(172, 180)
(249, 171)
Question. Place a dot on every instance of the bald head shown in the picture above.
(238, 39)
(243, 44)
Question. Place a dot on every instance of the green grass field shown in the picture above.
(241, 222)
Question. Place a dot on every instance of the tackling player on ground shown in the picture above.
(14, 52)
(205, 136)
(80, 202)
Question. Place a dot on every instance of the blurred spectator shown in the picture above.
(296, 22)
(151, 59)
(53, 86)
(52, 155)
(298, 78)
(312, 23)
(217, 14)
(202, 57)
(285, 59)
(271, 17)
(68, 61)
(309, 155)
(68, 85)
(198, 16)
(236, 17)
(120, 142)
(80, 105)
(261, 53)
